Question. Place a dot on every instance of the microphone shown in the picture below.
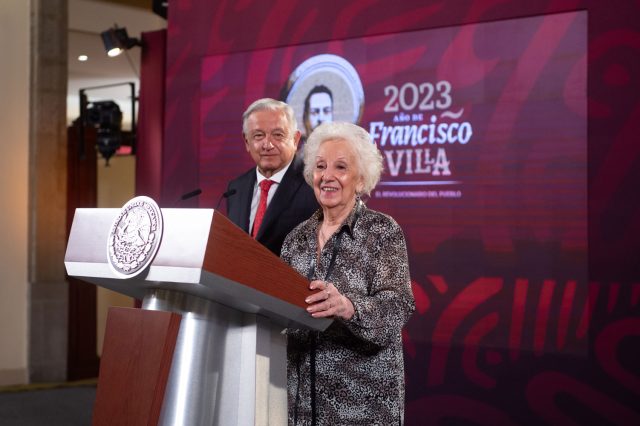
(188, 195)
(191, 194)
(227, 194)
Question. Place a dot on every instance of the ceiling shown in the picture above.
(87, 19)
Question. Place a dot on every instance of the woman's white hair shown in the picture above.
(368, 157)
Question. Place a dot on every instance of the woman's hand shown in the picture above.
(328, 302)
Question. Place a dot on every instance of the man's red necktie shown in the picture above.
(262, 205)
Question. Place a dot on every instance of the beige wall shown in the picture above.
(116, 186)
(14, 185)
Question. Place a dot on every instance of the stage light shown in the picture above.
(106, 117)
(116, 40)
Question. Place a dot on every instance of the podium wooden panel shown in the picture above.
(135, 369)
(234, 296)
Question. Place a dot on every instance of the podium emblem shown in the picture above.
(134, 237)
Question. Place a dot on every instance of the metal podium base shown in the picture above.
(229, 367)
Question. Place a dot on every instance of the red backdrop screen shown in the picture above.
(483, 130)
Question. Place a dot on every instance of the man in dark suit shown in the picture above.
(268, 201)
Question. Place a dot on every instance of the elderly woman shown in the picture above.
(352, 373)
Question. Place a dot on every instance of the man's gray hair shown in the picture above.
(368, 157)
(268, 104)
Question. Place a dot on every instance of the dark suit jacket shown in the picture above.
(292, 203)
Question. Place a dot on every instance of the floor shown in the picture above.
(50, 405)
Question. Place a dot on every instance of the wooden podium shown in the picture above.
(206, 348)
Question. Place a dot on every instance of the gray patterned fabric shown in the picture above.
(359, 367)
